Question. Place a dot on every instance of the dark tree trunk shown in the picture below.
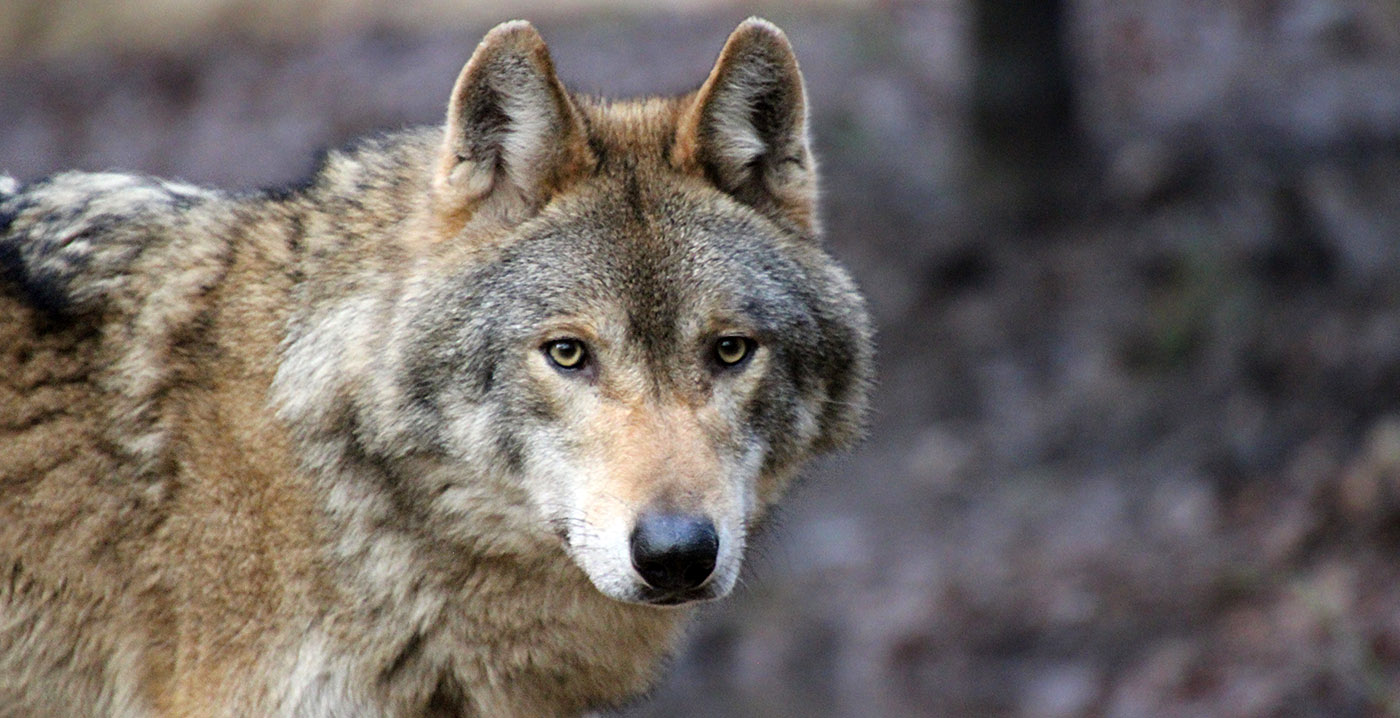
(1027, 144)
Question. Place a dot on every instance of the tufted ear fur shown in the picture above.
(513, 136)
(747, 127)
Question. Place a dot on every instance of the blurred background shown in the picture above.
(1136, 268)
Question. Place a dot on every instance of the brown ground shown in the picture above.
(1140, 457)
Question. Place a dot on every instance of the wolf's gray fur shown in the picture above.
(305, 452)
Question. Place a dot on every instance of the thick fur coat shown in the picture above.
(383, 444)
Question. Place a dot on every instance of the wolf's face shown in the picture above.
(650, 367)
(622, 320)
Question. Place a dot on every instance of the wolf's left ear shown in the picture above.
(513, 136)
(747, 127)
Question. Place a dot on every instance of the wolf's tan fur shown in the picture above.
(220, 494)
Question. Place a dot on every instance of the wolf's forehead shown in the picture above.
(659, 271)
(666, 274)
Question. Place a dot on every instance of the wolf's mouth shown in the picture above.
(655, 597)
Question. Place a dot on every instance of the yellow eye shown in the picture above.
(566, 353)
(731, 350)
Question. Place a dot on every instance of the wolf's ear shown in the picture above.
(747, 127)
(513, 135)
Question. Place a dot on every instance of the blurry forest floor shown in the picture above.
(1137, 457)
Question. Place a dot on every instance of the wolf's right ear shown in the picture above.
(513, 136)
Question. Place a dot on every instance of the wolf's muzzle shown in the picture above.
(674, 553)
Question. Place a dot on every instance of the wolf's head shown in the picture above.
(609, 325)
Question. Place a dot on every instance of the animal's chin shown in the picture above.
(648, 596)
(708, 592)
(642, 594)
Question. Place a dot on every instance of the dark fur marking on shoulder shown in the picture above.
(43, 292)
(8, 215)
(11, 261)
(48, 293)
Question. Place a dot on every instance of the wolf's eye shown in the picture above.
(732, 350)
(566, 353)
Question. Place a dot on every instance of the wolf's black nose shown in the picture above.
(674, 552)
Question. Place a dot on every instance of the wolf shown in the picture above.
(464, 425)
